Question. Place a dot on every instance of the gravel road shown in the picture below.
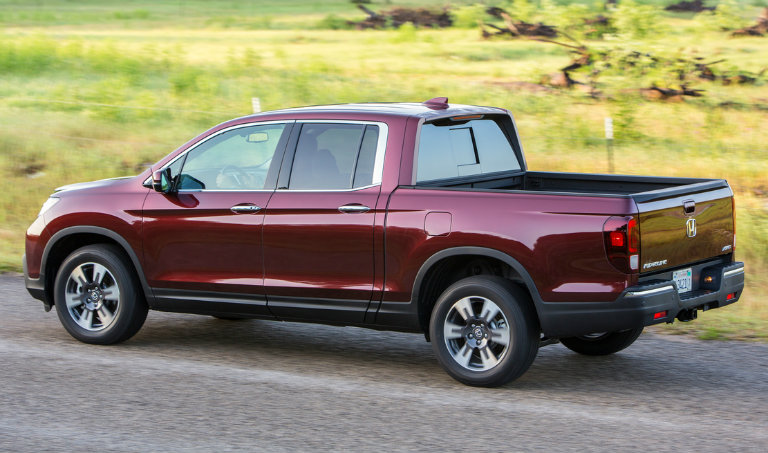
(195, 383)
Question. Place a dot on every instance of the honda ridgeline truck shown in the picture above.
(409, 217)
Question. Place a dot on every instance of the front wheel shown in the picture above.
(97, 295)
(484, 331)
(602, 343)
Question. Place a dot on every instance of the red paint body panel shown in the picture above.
(557, 239)
(115, 206)
(193, 241)
(313, 250)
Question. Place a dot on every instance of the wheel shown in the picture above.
(484, 331)
(602, 343)
(97, 295)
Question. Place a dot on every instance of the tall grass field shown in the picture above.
(97, 89)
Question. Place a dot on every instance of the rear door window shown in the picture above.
(449, 150)
(334, 156)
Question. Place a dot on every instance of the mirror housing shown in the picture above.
(162, 181)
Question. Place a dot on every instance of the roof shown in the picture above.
(426, 110)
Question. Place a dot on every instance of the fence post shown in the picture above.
(609, 143)
(256, 104)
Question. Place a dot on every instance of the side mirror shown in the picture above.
(162, 181)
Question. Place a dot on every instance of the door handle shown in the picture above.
(354, 209)
(245, 209)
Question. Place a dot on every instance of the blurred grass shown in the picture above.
(90, 90)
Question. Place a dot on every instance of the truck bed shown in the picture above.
(640, 188)
(664, 207)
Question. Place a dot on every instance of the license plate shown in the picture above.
(684, 280)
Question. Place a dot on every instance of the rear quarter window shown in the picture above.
(461, 149)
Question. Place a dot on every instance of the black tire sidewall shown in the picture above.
(130, 308)
(523, 330)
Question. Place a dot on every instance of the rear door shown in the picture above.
(318, 229)
(685, 229)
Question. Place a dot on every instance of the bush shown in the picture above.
(727, 16)
(637, 21)
(468, 16)
(333, 22)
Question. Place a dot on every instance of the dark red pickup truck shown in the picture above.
(412, 217)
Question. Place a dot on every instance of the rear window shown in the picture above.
(462, 149)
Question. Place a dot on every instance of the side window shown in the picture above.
(334, 156)
(367, 158)
(471, 148)
(238, 159)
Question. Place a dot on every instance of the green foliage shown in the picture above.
(334, 22)
(576, 19)
(406, 33)
(258, 22)
(637, 21)
(469, 16)
(729, 15)
(524, 10)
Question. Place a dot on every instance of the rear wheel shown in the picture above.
(97, 295)
(484, 331)
(602, 343)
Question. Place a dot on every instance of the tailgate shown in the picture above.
(685, 228)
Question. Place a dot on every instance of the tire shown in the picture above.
(466, 319)
(603, 343)
(98, 297)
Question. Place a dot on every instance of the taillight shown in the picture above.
(633, 234)
(622, 243)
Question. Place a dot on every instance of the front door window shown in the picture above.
(238, 159)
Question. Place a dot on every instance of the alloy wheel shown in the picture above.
(92, 296)
(476, 333)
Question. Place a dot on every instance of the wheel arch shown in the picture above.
(67, 240)
(445, 267)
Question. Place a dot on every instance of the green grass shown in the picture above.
(98, 89)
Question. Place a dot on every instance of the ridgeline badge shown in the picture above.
(654, 264)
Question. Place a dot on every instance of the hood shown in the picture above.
(92, 184)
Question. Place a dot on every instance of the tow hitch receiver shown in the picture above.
(687, 315)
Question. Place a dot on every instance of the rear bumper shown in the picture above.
(637, 305)
(35, 286)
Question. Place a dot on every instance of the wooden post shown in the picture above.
(609, 143)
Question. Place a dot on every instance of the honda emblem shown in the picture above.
(690, 228)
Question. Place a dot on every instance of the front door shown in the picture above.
(318, 230)
(202, 243)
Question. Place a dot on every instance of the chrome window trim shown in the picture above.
(378, 165)
(378, 161)
(329, 190)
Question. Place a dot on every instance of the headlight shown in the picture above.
(48, 205)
